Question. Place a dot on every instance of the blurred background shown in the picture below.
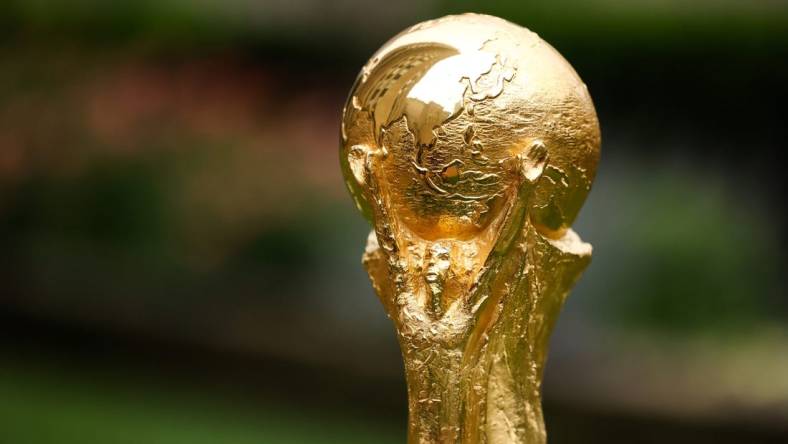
(181, 262)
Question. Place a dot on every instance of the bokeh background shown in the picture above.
(181, 263)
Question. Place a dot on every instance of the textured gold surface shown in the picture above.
(470, 145)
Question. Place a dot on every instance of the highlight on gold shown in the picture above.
(470, 145)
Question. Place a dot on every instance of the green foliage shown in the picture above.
(687, 258)
(42, 408)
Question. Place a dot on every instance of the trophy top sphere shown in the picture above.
(449, 104)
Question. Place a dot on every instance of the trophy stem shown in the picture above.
(462, 396)
(477, 379)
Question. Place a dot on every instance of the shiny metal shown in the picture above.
(470, 144)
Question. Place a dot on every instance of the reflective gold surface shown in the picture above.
(470, 144)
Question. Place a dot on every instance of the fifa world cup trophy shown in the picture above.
(470, 145)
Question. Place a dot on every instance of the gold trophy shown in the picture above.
(470, 145)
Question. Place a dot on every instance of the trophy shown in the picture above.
(470, 144)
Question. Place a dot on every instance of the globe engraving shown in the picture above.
(451, 107)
